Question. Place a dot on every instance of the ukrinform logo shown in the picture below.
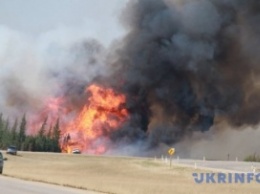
(222, 178)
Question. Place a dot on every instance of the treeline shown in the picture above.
(46, 140)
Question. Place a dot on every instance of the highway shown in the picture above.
(16, 186)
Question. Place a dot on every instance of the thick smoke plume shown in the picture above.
(184, 66)
(44, 57)
(187, 65)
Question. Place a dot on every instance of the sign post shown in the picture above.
(171, 152)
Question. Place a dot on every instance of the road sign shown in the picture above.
(171, 151)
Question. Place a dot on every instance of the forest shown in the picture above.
(15, 134)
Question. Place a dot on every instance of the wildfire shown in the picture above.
(52, 109)
(102, 114)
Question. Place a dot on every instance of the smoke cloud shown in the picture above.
(50, 49)
(188, 65)
(185, 66)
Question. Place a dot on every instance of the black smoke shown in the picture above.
(187, 64)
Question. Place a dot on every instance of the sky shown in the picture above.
(36, 18)
(40, 36)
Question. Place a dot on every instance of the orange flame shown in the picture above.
(102, 114)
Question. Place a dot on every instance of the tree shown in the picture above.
(6, 136)
(22, 130)
(42, 130)
(40, 141)
(49, 134)
(56, 137)
(14, 133)
(49, 140)
(29, 143)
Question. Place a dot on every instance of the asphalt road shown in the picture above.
(16, 186)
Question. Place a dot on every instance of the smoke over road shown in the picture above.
(183, 66)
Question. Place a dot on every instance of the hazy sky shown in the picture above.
(97, 18)
(40, 36)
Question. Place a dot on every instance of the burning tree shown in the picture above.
(103, 113)
(183, 66)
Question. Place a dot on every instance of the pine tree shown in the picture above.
(14, 133)
(40, 141)
(42, 130)
(56, 137)
(49, 134)
(29, 143)
(22, 130)
(49, 140)
(6, 135)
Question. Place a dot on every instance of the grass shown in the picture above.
(114, 174)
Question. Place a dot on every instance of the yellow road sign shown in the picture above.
(171, 151)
